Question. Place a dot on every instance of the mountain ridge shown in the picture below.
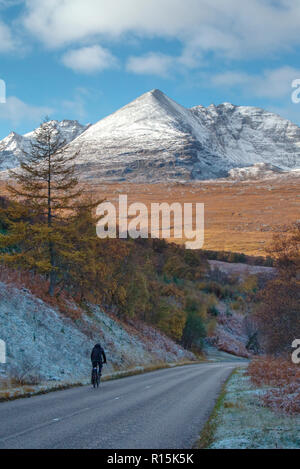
(155, 139)
(13, 146)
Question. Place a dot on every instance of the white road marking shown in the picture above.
(43, 425)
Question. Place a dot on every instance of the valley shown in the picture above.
(242, 162)
(239, 216)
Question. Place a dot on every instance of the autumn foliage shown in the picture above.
(282, 379)
(42, 225)
(278, 318)
(142, 280)
(278, 315)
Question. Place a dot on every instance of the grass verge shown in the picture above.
(240, 420)
(6, 396)
(208, 431)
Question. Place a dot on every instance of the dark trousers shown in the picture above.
(96, 365)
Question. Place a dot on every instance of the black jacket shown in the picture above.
(98, 354)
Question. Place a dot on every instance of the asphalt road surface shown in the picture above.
(165, 409)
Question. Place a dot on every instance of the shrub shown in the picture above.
(283, 378)
(194, 332)
(213, 311)
(278, 315)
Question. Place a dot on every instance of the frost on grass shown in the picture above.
(281, 378)
(243, 422)
(45, 345)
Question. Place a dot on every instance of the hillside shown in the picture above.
(45, 345)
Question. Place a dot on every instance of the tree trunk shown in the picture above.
(52, 283)
(51, 248)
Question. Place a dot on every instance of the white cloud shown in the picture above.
(9, 38)
(231, 78)
(58, 23)
(7, 42)
(276, 83)
(9, 3)
(89, 59)
(230, 28)
(150, 64)
(162, 65)
(17, 111)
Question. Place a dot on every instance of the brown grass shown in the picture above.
(239, 217)
(283, 378)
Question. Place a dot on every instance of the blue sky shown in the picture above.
(83, 59)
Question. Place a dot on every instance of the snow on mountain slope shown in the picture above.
(257, 171)
(151, 135)
(13, 146)
(155, 139)
(246, 135)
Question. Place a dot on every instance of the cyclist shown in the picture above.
(98, 357)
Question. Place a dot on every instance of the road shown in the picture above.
(164, 409)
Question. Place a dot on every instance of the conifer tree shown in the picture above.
(48, 188)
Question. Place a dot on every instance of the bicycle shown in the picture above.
(96, 376)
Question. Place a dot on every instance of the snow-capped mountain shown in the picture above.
(244, 136)
(13, 146)
(155, 139)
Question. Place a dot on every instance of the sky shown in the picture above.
(84, 59)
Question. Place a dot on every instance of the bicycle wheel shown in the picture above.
(94, 378)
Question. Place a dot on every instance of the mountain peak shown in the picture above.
(227, 105)
(154, 139)
(13, 135)
(156, 92)
(14, 145)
